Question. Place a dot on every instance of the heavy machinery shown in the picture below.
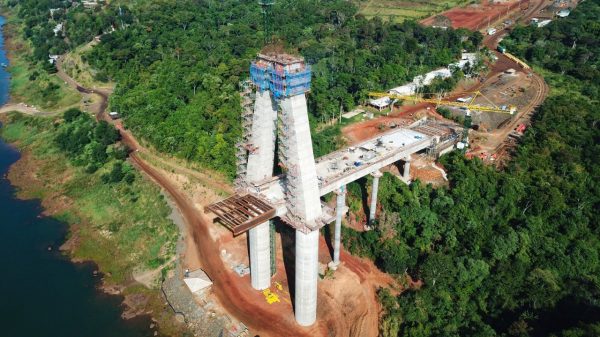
(467, 104)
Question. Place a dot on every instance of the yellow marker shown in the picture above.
(272, 298)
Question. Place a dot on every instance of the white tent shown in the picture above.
(197, 281)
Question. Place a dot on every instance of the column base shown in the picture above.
(333, 265)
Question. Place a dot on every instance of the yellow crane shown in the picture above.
(469, 104)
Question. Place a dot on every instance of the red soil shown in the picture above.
(477, 17)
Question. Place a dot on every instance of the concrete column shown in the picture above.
(406, 174)
(260, 166)
(307, 272)
(341, 203)
(260, 264)
(376, 175)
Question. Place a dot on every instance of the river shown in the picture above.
(42, 293)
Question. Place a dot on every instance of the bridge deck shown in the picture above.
(344, 166)
(267, 198)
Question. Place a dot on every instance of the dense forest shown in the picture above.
(178, 67)
(511, 253)
(178, 64)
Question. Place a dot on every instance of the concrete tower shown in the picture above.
(288, 79)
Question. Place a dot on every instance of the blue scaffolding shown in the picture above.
(282, 83)
(260, 76)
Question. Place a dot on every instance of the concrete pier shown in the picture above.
(339, 209)
(261, 158)
(373, 208)
(260, 256)
(307, 272)
(406, 173)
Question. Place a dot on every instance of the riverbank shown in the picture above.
(122, 228)
(30, 83)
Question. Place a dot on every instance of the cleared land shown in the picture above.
(476, 16)
(398, 11)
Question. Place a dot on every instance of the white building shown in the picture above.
(52, 58)
(422, 80)
(381, 103)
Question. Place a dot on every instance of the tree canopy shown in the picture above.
(506, 253)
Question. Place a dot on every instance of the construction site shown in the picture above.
(269, 228)
(277, 134)
(264, 257)
(270, 245)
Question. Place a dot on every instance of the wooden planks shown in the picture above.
(240, 213)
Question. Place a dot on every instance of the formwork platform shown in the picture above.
(240, 213)
(284, 75)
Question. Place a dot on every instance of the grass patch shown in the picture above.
(398, 11)
(74, 66)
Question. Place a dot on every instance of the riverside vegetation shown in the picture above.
(76, 167)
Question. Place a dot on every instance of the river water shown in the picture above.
(41, 292)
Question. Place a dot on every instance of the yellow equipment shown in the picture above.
(439, 101)
(517, 60)
(270, 296)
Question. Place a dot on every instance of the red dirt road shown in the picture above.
(238, 300)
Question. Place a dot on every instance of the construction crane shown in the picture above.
(266, 6)
(468, 104)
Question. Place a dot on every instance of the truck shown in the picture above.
(501, 49)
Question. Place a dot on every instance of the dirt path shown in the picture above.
(239, 301)
(23, 108)
(494, 140)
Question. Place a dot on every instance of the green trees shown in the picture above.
(178, 64)
(506, 253)
(178, 79)
(79, 25)
(93, 144)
